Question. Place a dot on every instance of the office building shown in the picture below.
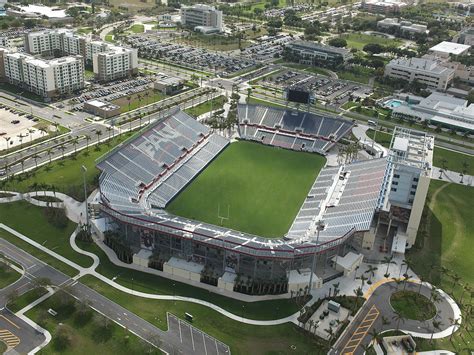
(201, 15)
(401, 28)
(312, 53)
(467, 36)
(382, 6)
(46, 78)
(446, 49)
(429, 72)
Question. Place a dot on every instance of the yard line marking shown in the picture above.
(9, 321)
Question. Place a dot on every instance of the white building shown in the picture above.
(4, 41)
(201, 15)
(425, 71)
(46, 78)
(445, 49)
(382, 6)
(395, 26)
(114, 63)
(439, 108)
(56, 42)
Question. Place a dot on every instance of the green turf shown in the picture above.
(86, 331)
(446, 240)
(15, 214)
(26, 298)
(261, 187)
(7, 275)
(454, 160)
(242, 338)
(204, 107)
(359, 40)
(137, 28)
(412, 305)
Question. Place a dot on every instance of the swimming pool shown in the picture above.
(392, 103)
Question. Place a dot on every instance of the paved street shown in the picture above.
(377, 308)
(180, 338)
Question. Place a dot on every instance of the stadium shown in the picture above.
(258, 214)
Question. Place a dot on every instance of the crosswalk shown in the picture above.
(10, 339)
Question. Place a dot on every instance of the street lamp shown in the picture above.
(319, 227)
(84, 171)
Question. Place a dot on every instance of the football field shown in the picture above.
(254, 188)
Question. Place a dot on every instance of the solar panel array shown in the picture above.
(290, 129)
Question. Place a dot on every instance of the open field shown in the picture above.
(359, 40)
(412, 305)
(445, 248)
(356, 73)
(454, 159)
(256, 184)
(216, 103)
(138, 100)
(242, 338)
(137, 28)
(88, 332)
(65, 175)
(140, 281)
(7, 275)
(38, 228)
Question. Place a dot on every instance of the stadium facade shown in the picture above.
(342, 213)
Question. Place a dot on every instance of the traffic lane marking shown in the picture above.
(9, 321)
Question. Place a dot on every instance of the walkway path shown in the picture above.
(376, 293)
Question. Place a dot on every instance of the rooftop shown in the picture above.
(411, 147)
(317, 46)
(450, 47)
(421, 64)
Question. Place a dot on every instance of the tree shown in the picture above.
(337, 42)
(465, 169)
(49, 152)
(362, 278)
(398, 317)
(388, 260)
(436, 326)
(98, 134)
(336, 289)
(455, 322)
(371, 271)
(75, 142)
(358, 293)
(456, 278)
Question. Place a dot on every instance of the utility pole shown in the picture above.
(319, 227)
(84, 171)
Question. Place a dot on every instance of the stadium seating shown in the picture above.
(158, 163)
(290, 129)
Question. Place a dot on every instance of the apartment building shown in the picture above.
(46, 78)
(201, 15)
(311, 53)
(4, 41)
(114, 63)
(58, 42)
(382, 6)
(426, 71)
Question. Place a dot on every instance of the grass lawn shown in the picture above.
(307, 68)
(109, 38)
(66, 174)
(88, 332)
(259, 184)
(256, 101)
(66, 269)
(264, 310)
(25, 299)
(454, 159)
(139, 100)
(411, 305)
(84, 30)
(242, 338)
(359, 40)
(357, 73)
(217, 104)
(14, 215)
(446, 240)
(137, 28)
(7, 275)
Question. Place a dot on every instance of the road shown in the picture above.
(377, 314)
(180, 337)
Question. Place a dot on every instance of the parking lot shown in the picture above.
(328, 90)
(16, 127)
(112, 91)
(268, 47)
(196, 58)
(195, 339)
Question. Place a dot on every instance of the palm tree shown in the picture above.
(87, 138)
(98, 134)
(436, 326)
(398, 317)
(465, 169)
(336, 289)
(406, 277)
(371, 271)
(22, 162)
(444, 167)
(455, 322)
(362, 278)
(35, 157)
(62, 148)
(43, 130)
(374, 335)
(464, 289)
(49, 152)
(358, 293)
(456, 278)
(388, 260)
(330, 333)
(109, 129)
(129, 98)
(397, 281)
(75, 142)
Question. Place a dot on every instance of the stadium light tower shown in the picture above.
(319, 227)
